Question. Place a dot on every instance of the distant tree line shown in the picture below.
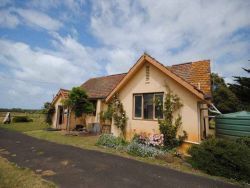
(231, 97)
(21, 110)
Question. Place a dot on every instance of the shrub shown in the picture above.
(222, 158)
(111, 141)
(49, 111)
(19, 119)
(141, 150)
(244, 140)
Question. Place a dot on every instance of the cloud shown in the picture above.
(8, 20)
(174, 31)
(35, 74)
(3, 3)
(118, 33)
(38, 19)
(11, 17)
(70, 10)
(50, 4)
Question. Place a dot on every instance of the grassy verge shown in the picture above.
(13, 176)
(24, 127)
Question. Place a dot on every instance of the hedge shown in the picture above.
(228, 158)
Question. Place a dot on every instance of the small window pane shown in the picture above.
(148, 105)
(138, 106)
(159, 106)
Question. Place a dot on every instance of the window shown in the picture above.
(159, 106)
(148, 106)
(138, 106)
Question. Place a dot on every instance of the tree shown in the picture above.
(223, 98)
(49, 110)
(78, 102)
(241, 89)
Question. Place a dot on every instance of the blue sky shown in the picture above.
(51, 44)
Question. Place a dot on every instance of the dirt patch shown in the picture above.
(64, 162)
(4, 152)
(40, 153)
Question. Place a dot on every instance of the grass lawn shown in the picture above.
(14, 176)
(24, 127)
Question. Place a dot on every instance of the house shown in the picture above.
(138, 88)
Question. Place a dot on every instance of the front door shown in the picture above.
(60, 117)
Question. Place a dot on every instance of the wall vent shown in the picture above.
(147, 73)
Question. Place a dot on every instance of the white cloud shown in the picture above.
(38, 19)
(173, 31)
(36, 73)
(5, 2)
(70, 10)
(50, 4)
(119, 60)
(8, 20)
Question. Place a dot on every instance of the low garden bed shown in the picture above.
(138, 147)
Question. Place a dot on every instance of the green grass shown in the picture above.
(86, 142)
(24, 127)
(35, 116)
(14, 176)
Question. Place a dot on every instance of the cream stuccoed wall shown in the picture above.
(58, 102)
(89, 119)
(156, 83)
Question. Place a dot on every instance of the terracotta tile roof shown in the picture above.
(62, 92)
(100, 87)
(196, 73)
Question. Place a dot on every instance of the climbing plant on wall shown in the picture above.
(169, 125)
(117, 113)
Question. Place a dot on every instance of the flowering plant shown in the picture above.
(155, 140)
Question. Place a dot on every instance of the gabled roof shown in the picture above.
(64, 93)
(194, 76)
(184, 75)
(100, 87)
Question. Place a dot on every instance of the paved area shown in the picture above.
(76, 167)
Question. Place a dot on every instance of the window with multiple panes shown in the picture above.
(148, 106)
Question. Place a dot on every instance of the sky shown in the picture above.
(46, 45)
